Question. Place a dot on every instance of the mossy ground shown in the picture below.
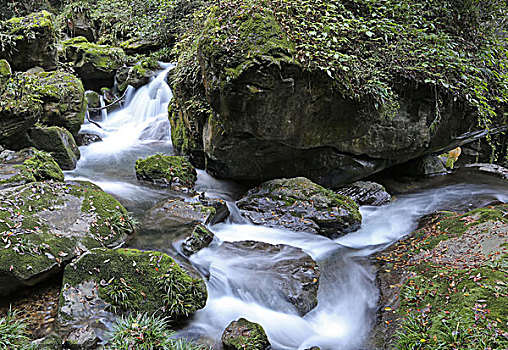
(168, 170)
(139, 281)
(453, 292)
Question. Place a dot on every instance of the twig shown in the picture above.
(111, 104)
(91, 121)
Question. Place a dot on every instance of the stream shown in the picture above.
(238, 285)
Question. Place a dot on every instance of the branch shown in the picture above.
(111, 104)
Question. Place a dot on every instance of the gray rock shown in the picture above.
(242, 333)
(487, 168)
(366, 193)
(83, 338)
(87, 139)
(280, 271)
(58, 142)
(299, 204)
(200, 238)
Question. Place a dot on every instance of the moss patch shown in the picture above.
(166, 170)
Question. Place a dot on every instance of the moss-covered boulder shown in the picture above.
(173, 171)
(448, 278)
(28, 165)
(5, 71)
(30, 41)
(299, 204)
(243, 334)
(269, 89)
(137, 75)
(118, 280)
(58, 142)
(53, 98)
(45, 225)
(176, 217)
(95, 64)
(63, 99)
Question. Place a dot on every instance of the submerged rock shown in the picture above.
(85, 139)
(243, 334)
(298, 204)
(28, 165)
(107, 281)
(58, 142)
(46, 225)
(173, 171)
(280, 271)
(95, 64)
(33, 42)
(366, 193)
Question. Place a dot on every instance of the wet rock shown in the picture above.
(83, 338)
(287, 272)
(109, 281)
(366, 193)
(423, 166)
(487, 168)
(5, 71)
(49, 342)
(200, 238)
(167, 171)
(85, 139)
(176, 217)
(299, 204)
(33, 42)
(58, 142)
(313, 348)
(28, 165)
(95, 64)
(243, 334)
(137, 75)
(47, 224)
(93, 98)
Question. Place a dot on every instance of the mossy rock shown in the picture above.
(5, 71)
(28, 165)
(129, 280)
(299, 204)
(47, 224)
(243, 334)
(64, 102)
(137, 75)
(176, 172)
(58, 142)
(95, 64)
(17, 115)
(200, 238)
(32, 41)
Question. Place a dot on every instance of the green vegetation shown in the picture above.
(146, 332)
(43, 167)
(13, 333)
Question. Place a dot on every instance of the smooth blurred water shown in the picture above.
(239, 284)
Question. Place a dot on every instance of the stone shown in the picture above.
(177, 217)
(57, 222)
(93, 98)
(28, 165)
(5, 71)
(487, 168)
(287, 278)
(95, 64)
(114, 281)
(366, 193)
(58, 142)
(83, 338)
(243, 334)
(140, 46)
(167, 171)
(137, 75)
(298, 204)
(79, 24)
(85, 139)
(33, 42)
(49, 342)
(200, 238)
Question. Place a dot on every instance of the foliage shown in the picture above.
(146, 332)
(13, 333)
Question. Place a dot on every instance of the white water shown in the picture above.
(237, 285)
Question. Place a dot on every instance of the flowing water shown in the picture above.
(238, 285)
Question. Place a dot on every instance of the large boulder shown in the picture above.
(95, 64)
(258, 95)
(28, 165)
(58, 142)
(243, 334)
(173, 171)
(46, 225)
(299, 204)
(287, 278)
(107, 281)
(54, 98)
(366, 193)
(32, 41)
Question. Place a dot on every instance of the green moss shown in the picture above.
(245, 335)
(43, 167)
(169, 170)
(5, 69)
(103, 57)
(31, 22)
(140, 281)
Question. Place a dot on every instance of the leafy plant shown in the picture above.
(13, 333)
